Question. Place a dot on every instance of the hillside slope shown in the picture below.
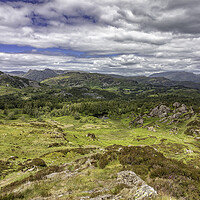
(81, 79)
(16, 82)
(178, 76)
(90, 158)
(165, 82)
(40, 75)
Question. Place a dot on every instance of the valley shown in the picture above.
(81, 135)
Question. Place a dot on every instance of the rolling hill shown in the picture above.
(83, 79)
(67, 78)
(93, 136)
(16, 82)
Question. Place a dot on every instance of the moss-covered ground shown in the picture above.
(61, 140)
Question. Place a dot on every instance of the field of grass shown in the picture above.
(7, 90)
(62, 140)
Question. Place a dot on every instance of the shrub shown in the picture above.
(77, 116)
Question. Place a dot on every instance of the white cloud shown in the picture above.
(152, 35)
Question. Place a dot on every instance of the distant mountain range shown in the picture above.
(178, 76)
(16, 73)
(40, 75)
(65, 78)
(16, 82)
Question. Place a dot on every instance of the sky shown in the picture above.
(125, 37)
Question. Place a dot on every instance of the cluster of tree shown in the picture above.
(60, 102)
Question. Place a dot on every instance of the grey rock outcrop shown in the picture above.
(183, 108)
(176, 104)
(134, 188)
(139, 121)
(151, 128)
(160, 111)
(176, 115)
(137, 188)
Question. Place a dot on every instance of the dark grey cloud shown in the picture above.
(178, 16)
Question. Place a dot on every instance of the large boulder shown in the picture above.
(183, 108)
(176, 104)
(160, 111)
(139, 121)
(176, 115)
(136, 189)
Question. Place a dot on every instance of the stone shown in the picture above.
(139, 121)
(13, 157)
(137, 188)
(176, 104)
(183, 108)
(151, 128)
(176, 115)
(160, 111)
(103, 197)
(189, 151)
(91, 135)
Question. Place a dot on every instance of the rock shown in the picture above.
(160, 111)
(91, 135)
(103, 197)
(37, 162)
(139, 121)
(192, 131)
(13, 157)
(186, 117)
(129, 178)
(189, 151)
(151, 128)
(137, 188)
(183, 108)
(145, 192)
(176, 115)
(176, 104)
(163, 120)
(174, 131)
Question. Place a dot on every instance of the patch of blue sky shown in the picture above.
(26, 1)
(7, 48)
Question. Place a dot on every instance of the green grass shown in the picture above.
(54, 141)
(26, 141)
(7, 90)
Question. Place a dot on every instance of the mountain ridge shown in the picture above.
(178, 76)
(80, 78)
(16, 82)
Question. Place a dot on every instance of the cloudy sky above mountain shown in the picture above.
(124, 37)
